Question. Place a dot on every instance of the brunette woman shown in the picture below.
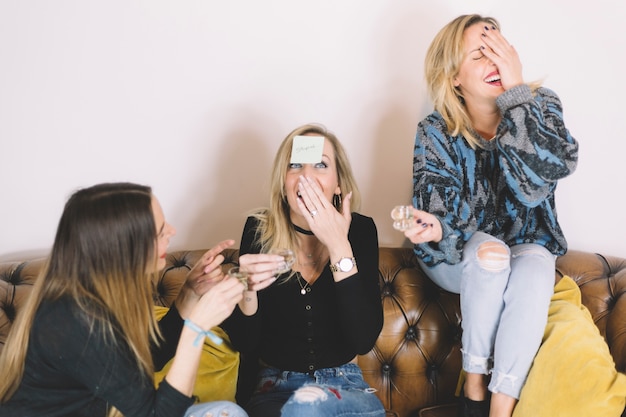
(87, 342)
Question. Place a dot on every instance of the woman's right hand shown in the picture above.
(262, 268)
(426, 228)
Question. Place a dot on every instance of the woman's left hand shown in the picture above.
(504, 56)
(204, 275)
(329, 225)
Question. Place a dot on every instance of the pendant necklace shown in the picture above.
(303, 288)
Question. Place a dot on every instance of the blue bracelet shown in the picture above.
(202, 333)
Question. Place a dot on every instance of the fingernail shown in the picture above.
(482, 47)
(483, 35)
(419, 221)
(486, 28)
(425, 225)
(493, 27)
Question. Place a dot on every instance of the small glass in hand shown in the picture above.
(402, 217)
(288, 259)
(241, 275)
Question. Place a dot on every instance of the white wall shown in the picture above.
(194, 96)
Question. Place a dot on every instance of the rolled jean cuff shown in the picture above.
(475, 364)
(506, 384)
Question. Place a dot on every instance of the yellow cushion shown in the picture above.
(219, 367)
(573, 373)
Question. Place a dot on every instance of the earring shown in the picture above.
(337, 201)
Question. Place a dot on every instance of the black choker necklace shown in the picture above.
(303, 231)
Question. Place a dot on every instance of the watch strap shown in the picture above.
(336, 266)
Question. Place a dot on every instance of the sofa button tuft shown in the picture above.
(386, 290)
(411, 334)
(432, 371)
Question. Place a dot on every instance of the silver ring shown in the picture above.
(313, 213)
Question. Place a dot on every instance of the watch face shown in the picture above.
(345, 264)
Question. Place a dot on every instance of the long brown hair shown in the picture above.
(102, 257)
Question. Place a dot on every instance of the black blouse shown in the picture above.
(328, 325)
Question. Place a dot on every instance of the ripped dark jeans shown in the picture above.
(328, 392)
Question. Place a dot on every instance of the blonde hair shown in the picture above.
(104, 247)
(443, 61)
(276, 229)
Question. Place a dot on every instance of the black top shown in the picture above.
(326, 327)
(70, 371)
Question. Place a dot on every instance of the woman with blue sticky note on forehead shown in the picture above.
(302, 321)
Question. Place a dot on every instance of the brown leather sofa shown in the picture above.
(416, 361)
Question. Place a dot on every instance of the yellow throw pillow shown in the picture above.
(573, 373)
(218, 371)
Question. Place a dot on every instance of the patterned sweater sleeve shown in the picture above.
(535, 149)
(439, 178)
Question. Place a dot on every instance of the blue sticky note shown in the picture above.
(307, 149)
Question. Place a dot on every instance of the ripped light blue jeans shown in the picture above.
(505, 295)
(216, 409)
(328, 392)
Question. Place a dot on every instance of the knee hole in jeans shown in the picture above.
(309, 394)
(493, 256)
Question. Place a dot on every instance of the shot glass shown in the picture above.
(289, 258)
(241, 275)
(402, 217)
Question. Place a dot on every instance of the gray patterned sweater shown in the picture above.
(505, 187)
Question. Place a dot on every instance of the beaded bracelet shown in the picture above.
(202, 333)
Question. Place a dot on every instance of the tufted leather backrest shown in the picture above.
(416, 360)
